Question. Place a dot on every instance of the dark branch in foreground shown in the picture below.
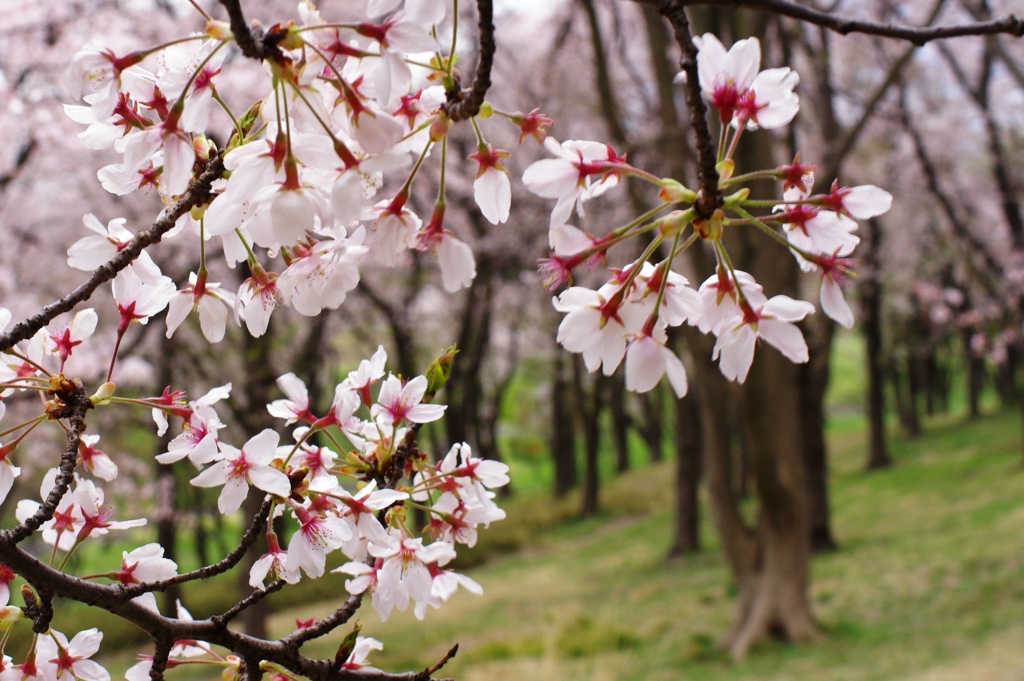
(229, 561)
(461, 106)
(253, 42)
(708, 198)
(1011, 24)
(197, 194)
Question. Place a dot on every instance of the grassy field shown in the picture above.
(928, 584)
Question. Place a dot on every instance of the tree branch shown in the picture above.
(460, 105)
(259, 521)
(198, 193)
(1010, 24)
(326, 625)
(253, 42)
(709, 198)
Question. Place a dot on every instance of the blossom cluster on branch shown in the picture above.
(628, 317)
(353, 111)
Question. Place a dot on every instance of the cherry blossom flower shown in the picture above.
(61, 660)
(91, 252)
(209, 299)
(647, 360)
(274, 560)
(323, 272)
(178, 64)
(95, 461)
(568, 176)
(8, 471)
(366, 374)
(404, 575)
(64, 340)
(834, 275)
(317, 460)
(772, 321)
(95, 75)
(27, 671)
(863, 202)
(491, 189)
(721, 303)
(257, 298)
(316, 537)
(357, 659)
(394, 230)
(726, 76)
(143, 565)
(458, 267)
(596, 324)
(198, 439)
(296, 407)
(398, 402)
(238, 469)
(6, 577)
(95, 514)
(136, 300)
(362, 507)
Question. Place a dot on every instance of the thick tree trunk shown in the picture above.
(871, 324)
(776, 600)
(563, 428)
(688, 452)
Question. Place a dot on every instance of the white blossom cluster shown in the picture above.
(628, 317)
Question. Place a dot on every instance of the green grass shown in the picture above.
(929, 583)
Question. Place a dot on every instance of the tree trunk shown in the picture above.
(589, 409)
(652, 405)
(254, 417)
(871, 324)
(775, 600)
(166, 508)
(563, 428)
(814, 377)
(688, 449)
(906, 402)
(975, 376)
(616, 400)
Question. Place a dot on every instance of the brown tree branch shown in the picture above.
(253, 42)
(249, 538)
(462, 105)
(198, 193)
(709, 198)
(1010, 24)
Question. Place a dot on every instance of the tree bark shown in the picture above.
(652, 405)
(871, 325)
(813, 382)
(563, 428)
(254, 417)
(589, 409)
(688, 451)
(616, 399)
(166, 510)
